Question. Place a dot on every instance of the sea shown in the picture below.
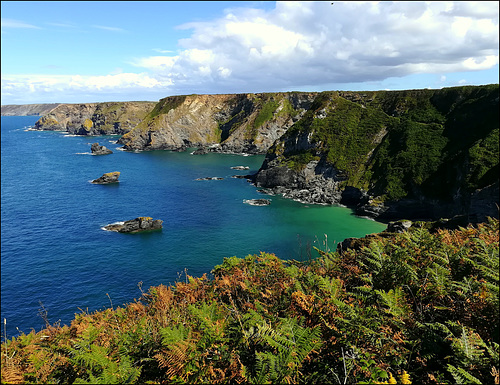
(57, 261)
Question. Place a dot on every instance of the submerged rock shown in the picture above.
(257, 202)
(136, 225)
(109, 177)
(210, 178)
(240, 168)
(99, 150)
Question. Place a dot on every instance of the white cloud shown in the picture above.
(53, 87)
(313, 43)
(106, 28)
(304, 45)
(11, 23)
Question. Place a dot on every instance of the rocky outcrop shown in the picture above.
(96, 149)
(241, 123)
(27, 109)
(419, 154)
(416, 154)
(257, 202)
(136, 225)
(113, 118)
(109, 177)
(210, 178)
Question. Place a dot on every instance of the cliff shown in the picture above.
(418, 154)
(27, 109)
(95, 118)
(228, 123)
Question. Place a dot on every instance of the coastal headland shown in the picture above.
(415, 154)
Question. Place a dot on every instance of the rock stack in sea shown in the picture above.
(136, 225)
(99, 150)
(109, 177)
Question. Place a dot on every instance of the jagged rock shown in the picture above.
(109, 177)
(136, 225)
(240, 168)
(200, 151)
(257, 202)
(210, 178)
(398, 226)
(364, 181)
(218, 123)
(99, 150)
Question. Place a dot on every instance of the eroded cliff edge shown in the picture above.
(418, 154)
(236, 123)
(110, 118)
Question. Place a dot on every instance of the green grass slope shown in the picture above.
(402, 144)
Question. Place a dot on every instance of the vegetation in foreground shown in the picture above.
(417, 307)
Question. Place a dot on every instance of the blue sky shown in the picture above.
(76, 52)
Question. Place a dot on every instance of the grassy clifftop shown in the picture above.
(416, 307)
(402, 143)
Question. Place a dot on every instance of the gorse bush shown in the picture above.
(417, 307)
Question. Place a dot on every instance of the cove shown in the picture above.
(55, 252)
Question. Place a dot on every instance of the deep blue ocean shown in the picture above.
(54, 251)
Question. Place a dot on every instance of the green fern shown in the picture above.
(395, 300)
(461, 376)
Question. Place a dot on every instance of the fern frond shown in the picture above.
(395, 300)
(461, 376)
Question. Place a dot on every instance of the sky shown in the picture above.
(98, 51)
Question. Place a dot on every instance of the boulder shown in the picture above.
(109, 177)
(135, 225)
(398, 226)
(99, 150)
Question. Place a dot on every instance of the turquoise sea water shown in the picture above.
(53, 248)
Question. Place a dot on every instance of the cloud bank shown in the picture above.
(299, 45)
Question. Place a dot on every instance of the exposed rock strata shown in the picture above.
(136, 225)
(241, 123)
(416, 154)
(96, 149)
(113, 118)
(109, 177)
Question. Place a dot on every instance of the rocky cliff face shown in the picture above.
(419, 154)
(95, 118)
(227, 123)
(27, 109)
(416, 154)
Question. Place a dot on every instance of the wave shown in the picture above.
(83, 153)
(114, 223)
